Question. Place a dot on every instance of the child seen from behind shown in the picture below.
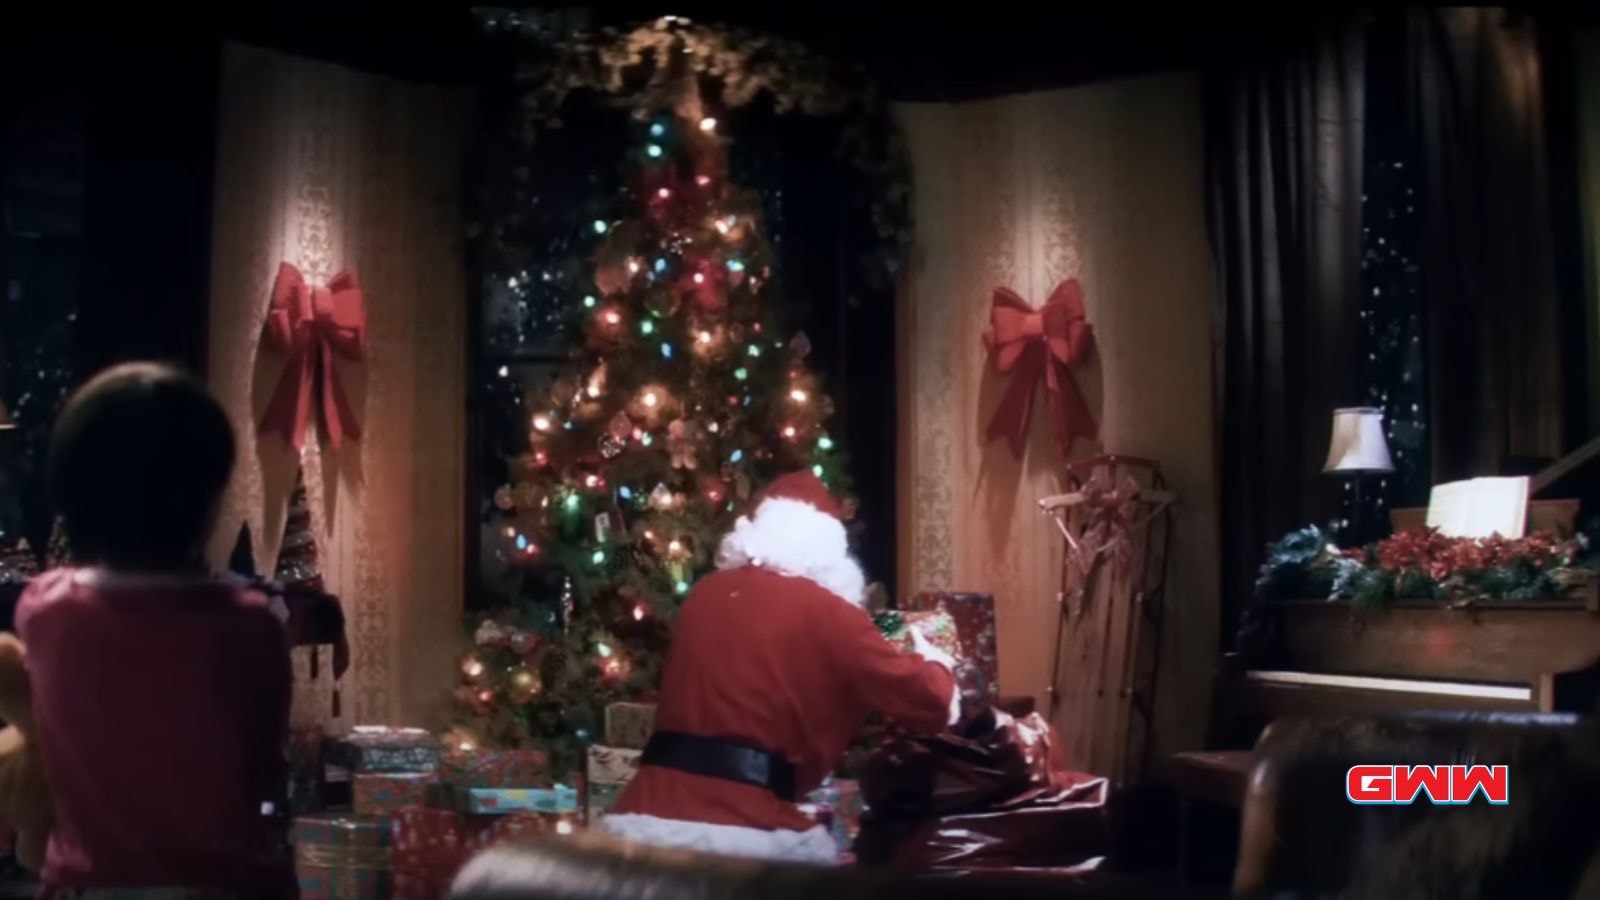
(161, 695)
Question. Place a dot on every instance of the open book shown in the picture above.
(1480, 507)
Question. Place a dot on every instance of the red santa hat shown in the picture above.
(795, 527)
(804, 487)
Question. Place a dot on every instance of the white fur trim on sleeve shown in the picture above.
(815, 846)
(794, 538)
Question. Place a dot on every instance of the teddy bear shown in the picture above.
(25, 799)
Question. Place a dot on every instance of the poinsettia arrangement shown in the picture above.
(1423, 565)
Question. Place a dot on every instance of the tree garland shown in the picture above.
(736, 67)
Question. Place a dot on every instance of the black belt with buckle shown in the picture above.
(721, 758)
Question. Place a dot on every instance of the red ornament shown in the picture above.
(704, 284)
(713, 489)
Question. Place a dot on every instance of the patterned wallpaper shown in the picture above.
(1102, 183)
(328, 168)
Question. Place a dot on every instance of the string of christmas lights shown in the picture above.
(683, 395)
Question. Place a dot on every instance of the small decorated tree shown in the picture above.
(684, 396)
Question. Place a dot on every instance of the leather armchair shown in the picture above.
(1301, 837)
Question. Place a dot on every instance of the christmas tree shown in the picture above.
(298, 567)
(685, 395)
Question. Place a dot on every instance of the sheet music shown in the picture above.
(1480, 507)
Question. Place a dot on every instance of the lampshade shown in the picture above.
(1357, 444)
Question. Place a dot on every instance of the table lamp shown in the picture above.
(1358, 448)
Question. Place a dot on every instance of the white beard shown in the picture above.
(793, 538)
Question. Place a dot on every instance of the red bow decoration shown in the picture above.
(310, 326)
(1028, 343)
(1113, 513)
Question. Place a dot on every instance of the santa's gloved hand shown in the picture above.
(925, 649)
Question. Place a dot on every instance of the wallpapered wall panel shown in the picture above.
(1103, 183)
(328, 169)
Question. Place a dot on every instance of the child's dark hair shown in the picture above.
(138, 460)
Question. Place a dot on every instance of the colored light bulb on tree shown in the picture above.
(662, 265)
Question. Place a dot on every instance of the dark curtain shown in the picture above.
(1492, 306)
(147, 215)
(1284, 159)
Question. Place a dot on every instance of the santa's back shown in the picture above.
(780, 664)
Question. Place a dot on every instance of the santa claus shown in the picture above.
(774, 663)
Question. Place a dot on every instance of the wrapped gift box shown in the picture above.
(975, 625)
(385, 750)
(838, 806)
(496, 768)
(340, 857)
(610, 769)
(630, 725)
(431, 845)
(935, 625)
(558, 800)
(384, 794)
(599, 800)
(612, 765)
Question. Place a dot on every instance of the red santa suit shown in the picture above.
(774, 658)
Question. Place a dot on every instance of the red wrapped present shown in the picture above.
(975, 626)
(431, 845)
(496, 769)
(383, 795)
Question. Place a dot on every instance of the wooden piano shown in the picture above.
(1314, 658)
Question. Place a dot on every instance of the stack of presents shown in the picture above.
(414, 812)
(990, 796)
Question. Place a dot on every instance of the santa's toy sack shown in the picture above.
(990, 796)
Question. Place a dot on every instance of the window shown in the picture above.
(41, 271)
(1395, 378)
